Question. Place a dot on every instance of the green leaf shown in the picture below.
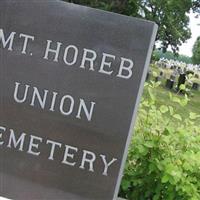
(142, 150)
(176, 100)
(156, 197)
(155, 74)
(165, 178)
(152, 167)
(146, 84)
(182, 87)
(163, 109)
(187, 166)
(171, 110)
(183, 102)
(193, 115)
(177, 116)
(125, 184)
(157, 84)
(190, 76)
(149, 144)
(151, 94)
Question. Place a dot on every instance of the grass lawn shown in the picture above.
(162, 95)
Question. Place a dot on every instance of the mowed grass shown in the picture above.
(162, 98)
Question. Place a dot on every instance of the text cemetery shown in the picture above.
(87, 161)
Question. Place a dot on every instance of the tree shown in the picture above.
(170, 15)
(169, 55)
(196, 6)
(126, 7)
(196, 52)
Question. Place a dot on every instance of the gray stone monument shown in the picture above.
(169, 84)
(71, 78)
(195, 86)
(181, 80)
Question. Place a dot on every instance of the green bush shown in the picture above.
(164, 156)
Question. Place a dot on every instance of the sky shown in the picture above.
(186, 48)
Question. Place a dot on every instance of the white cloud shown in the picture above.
(2, 198)
(186, 48)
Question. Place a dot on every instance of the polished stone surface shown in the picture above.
(26, 176)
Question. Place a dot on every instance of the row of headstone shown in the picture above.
(179, 71)
(170, 82)
(174, 64)
(159, 77)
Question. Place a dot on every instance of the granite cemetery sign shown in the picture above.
(70, 82)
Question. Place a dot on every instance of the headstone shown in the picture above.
(190, 72)
(181, 80)
(169, 84)
(195, 86)
(173, 77)
(172, 67)
(70, 82)
(179, 70)
(148, 76)
(157, 78)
